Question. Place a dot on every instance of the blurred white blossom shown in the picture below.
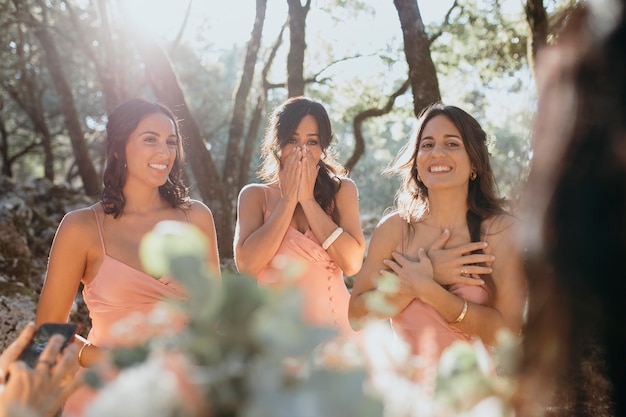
(148, 389)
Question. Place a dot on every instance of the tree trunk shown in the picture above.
(86, 169)
(537, 19)
(297, 46)
(258, 112)
(4, 149)
(106, 62)
(165, 84)
(233, 166)
(422, 72)
(28, 97)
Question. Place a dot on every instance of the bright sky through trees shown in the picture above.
(231, 21)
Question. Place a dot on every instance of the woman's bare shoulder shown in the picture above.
(80, 223)
(393, 219)
(500, 223)
(389, 227)
(82, 216)
(254, 189)
(348, 182)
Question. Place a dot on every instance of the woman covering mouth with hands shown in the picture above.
(301, 226)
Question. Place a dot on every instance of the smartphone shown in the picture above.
(30, 355)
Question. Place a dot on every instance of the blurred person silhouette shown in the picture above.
(574, 229)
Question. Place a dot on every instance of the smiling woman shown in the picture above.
(98, 246)
(448, 248)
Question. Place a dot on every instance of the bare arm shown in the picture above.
(202, 218)
(66, 267)
(347, 251)
(383, 242)
(256, 242)
(506, 310)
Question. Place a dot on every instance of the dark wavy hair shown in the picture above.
(122, 121)
(283, 123)
(483, 199)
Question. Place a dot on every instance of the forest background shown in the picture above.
(223, 66)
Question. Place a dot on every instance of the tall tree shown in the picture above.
(26, 91)
(297, 46)
(257, 113)
(236, 146)
(537, 19)
(422, 72)
(86, 169)
(167, 89)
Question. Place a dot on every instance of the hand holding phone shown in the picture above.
(30, 355)
(41, 377)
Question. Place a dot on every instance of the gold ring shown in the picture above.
(463, 270)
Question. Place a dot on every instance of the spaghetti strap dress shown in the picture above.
(426, 331)
(302, 262)
(117, 292)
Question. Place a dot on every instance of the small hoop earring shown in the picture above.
(419, 179)
(473, 175)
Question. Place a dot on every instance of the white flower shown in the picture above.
(392, 370)
(145, 390)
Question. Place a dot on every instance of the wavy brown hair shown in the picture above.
(122, 121)
(483, 199)
(283, 123)
(412, 197)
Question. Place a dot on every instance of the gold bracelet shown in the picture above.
(331, 238)
(80, 353)
(462, 314)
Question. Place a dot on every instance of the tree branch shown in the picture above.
(359, 147)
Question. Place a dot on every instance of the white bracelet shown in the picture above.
(331, 238)
(80, 352)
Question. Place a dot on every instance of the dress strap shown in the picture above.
(95, 213)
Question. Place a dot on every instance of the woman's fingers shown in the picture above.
(67, 366)
(48, 357)
(19, 388)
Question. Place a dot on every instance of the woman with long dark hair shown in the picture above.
(99, 245)
(302, 224)
(449, 243)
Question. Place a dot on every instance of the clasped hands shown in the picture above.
(298, 174)
(446, 267)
